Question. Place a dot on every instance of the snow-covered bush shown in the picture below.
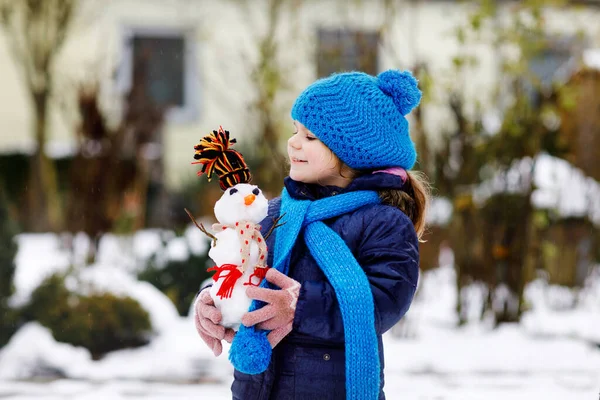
(179, 267)
(100, 322)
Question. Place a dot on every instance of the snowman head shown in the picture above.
(242, 202)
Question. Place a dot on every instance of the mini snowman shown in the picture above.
(238, 248)
(239, 251)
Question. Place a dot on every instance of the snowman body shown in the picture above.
(227, 251)
(241, 207)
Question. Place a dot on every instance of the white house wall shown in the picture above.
(225, 36)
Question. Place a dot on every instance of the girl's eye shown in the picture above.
(256, 192)
(295, 133)
(311, 138)
(233, 191)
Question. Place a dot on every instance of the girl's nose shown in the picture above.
(294, 142)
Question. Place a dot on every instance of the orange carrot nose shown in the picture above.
(249, 199)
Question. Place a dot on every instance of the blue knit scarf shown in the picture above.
(250, 351)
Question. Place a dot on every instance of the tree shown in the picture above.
(269, 81)
(36, 30)
(8, 251)
(110, 173)
(494, 236)
(272, 78)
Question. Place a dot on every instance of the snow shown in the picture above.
(129, 253)
(558, 186)
(177, 249)
(492, 122)
(559, 311)
(133, 251)
(439, 211)
(99, 278)
(591, 58)
(176, 355)
(444, 363)
(197, 241)
(61, 148)
(474, 350)
(553, 353)
(566, 189)
(114, 391)
(33, 349)
(146, 243)
(31, 269)
(553, 311)
(571, 386)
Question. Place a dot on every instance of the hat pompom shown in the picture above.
(250, 351)
(402, 87)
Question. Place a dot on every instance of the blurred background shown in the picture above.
(101, 103)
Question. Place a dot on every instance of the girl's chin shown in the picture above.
(295, 175)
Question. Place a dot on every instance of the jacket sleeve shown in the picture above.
(389, 254)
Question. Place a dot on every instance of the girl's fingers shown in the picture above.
(262, 294)
(205, 297)
(278, 334)
(197, 322)
(210, 312)
(258, 316)
(209, 340)
(229, 334)
(271, 324)
(279, 279)
(216, 331)
(217, 348)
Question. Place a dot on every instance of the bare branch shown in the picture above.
(201, 227)
(36, 31)
(66, 10)
(275, 225)
(8, 20)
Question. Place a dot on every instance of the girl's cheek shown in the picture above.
(324, 160)
(331, 161)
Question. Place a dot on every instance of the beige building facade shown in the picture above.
(208, 50)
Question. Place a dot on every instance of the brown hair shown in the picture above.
(412, 199)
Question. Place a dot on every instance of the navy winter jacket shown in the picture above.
(310, 362)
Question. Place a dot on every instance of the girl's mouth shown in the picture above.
(297, 160)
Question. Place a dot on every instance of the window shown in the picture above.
(164, 59)
(347, 50)
(167, 58)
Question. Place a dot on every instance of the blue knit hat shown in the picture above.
(361, 117)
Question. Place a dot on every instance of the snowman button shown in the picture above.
(326, 357)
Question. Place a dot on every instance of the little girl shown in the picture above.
(346, 261)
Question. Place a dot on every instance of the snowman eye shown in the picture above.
(256, 192)
(233, 191)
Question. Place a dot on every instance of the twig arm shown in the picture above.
(276, 224)
(201, 227)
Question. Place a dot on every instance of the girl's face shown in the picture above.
(311, 161)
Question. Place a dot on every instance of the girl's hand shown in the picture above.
(278, 315)
(207, 318)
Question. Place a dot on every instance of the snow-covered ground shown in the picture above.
(484, 386)
(552, 354)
